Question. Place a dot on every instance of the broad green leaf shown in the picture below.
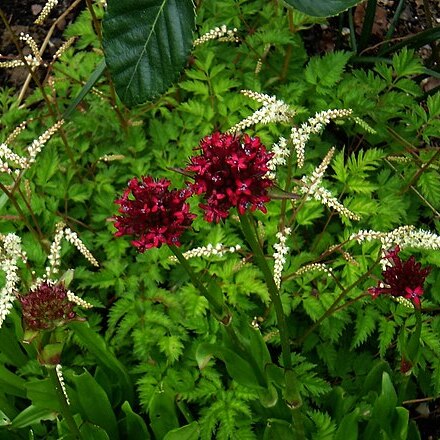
(401, 417)
(135, 427)
(95, 404)
(43, 394)
(348, 428)
(278, 429)
(146, 45)
(11, 383)
(10, 348)
(162, 412)
(105, 359)
(187, 432)
(239, 368)
(372, 381)
(322, 8)
(93, 432)
(4, 419)
(385, 404)
(32, 415)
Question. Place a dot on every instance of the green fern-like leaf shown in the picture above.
(196, 87)
(354, 173)
(365, 325)
(433, 104)
(430, 339)
(405, 63)
(326, 71)
(325, 427)
(328, 354)
(313, 307)
(310, 383)
(172, 347)
(225, 417)
(387, 329)
(435, 380)
(429, 184)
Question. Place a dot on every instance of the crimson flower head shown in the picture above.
(152, 213)
(402, 279)
(46, 307)
(230, 172)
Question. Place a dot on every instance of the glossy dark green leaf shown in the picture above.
(322, 8)
(146, 45)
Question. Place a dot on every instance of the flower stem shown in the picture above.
(65, 409)
(217, 303)
(292, 393)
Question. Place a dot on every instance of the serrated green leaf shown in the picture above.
(322, 8)
(386, 334)
(365, 325)
(325, 427)
(47, 166)
(172, 346)
(435, 379)
(405, 63)
(326, 71)
(429, 184)
(146, 45)
(433, 104)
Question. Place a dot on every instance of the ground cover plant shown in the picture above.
(245, 245)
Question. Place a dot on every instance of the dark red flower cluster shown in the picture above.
(402, 279)
(152, 213)
(46, 307)
(230, 172)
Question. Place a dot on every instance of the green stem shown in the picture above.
(335, 306)
(292, 393)
(217, 303)
(413, 347)
(65, 409)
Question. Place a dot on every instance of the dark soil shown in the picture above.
(21, 15)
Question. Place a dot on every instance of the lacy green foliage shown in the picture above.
(228, 416)
(325, 427)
